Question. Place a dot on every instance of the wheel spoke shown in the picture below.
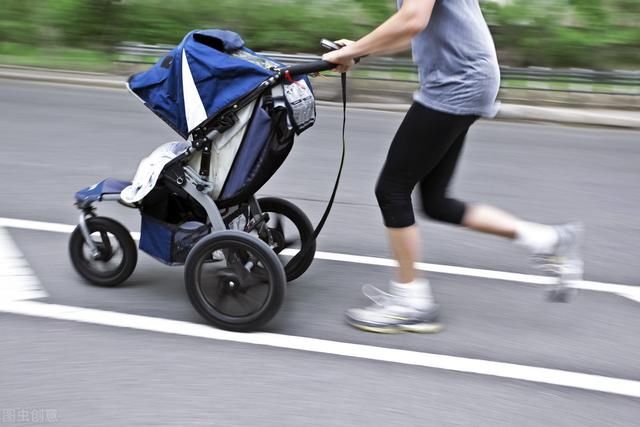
(258, 278)
(117, 250)
(279, 226)
(244, 301)
(292, 242)
(210, 286)
(106, 243)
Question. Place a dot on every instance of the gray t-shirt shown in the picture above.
(457, 62)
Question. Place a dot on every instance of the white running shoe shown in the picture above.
(393, 314)
(565, 260)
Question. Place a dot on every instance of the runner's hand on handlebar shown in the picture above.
(344, 42)
(343, 62)
(338, 57)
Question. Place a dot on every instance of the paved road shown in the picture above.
(57, 139)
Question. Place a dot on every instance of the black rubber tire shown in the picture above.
(272, 269)
(297, 266)
(83, 265)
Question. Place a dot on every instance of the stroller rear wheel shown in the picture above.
(116, 255)
(290, 228)
(243, 289)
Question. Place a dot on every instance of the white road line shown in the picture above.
(433, 268)
(17, 281)
(626, 291)
(36, 225)
(512, 371)
(55, 227)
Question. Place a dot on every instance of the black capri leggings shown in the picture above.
(425, 150)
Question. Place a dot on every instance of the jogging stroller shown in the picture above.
(238, 113)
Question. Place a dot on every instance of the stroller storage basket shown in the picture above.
(170, 243)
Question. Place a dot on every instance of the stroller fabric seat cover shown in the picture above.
(223, 151)
(195, 85)
(198, 78)
(150, 169)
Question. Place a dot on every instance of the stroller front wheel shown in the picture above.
(116, 255)
(245, 286)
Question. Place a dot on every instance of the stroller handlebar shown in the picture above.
(309, 68)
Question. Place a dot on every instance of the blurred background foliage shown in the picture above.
(598, 34)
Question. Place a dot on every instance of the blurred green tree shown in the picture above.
(97, 24)
(289, 25)
(19, 21)
(378, 9)
(576, 33)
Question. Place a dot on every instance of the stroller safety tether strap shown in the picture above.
(325, 215)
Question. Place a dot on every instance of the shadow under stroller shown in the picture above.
(239, 113)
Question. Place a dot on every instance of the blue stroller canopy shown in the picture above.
(198, 78)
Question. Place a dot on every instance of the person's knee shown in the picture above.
(444, 209)
(390, 192)
(394, 201)
(383, 192)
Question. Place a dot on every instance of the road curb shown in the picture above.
(602, 118)
(63, 79)
(530, 113)
(508, 112)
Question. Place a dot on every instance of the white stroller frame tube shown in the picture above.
(198, 188)
(87, 236)
(193, 185)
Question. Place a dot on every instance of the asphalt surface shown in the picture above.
(58, 139)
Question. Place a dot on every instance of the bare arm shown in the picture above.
(393, 35)
(395, 46)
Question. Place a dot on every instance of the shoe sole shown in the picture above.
(418, 328)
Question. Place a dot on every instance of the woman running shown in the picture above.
(459, 82)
